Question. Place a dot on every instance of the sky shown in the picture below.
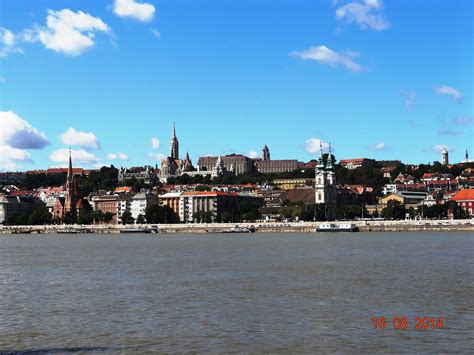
(380, 79)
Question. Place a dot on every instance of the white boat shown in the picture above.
(333, 227)
(237, 229)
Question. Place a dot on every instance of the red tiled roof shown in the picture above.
(464, 195)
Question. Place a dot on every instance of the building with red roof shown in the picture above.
(465, 199)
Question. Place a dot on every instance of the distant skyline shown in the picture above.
(379, 79)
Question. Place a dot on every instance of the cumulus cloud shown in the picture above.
(80, 156)
(312, 145)
(437, 148)
(450, 132)
(18, 133)
(8, 43)
(68, 32)
(141, 11)
(156, 156)
(10, 157)
(156, 33)
(252, 154)
(87, 140)
(450, 91)
(325, 55)
(410, 98)
(378, 147)
(368, 14)
(155, 143)
(117, 156)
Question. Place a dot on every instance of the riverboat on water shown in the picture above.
(237, 229)
(136, 230)
(333, 227)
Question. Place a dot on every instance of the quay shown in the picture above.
(267, 227)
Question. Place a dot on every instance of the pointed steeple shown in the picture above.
(174, 130)
(320, 164)
(69, 169)
(174, 145)
(329, 161)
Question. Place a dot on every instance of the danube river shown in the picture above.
(231, 293)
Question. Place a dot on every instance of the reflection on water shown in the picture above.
(264, 292)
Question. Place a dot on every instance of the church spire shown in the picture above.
(329, 161)
(174, 145)
(69, 169)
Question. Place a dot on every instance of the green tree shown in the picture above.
(40, 216)
(160, 214)
(140, 219)
(108, 217)
(85, 217)
(127, 218)
(394, 210)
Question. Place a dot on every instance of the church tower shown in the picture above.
(71, 190)
(325, 184)
(444, 157)
(174, 145)
(265, 153)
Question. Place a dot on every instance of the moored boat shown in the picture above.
(237, 229)
(135, 230)
(333, 227)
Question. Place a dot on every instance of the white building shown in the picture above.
(325, 184)
(140, 202)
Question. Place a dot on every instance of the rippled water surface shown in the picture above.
(220, 293)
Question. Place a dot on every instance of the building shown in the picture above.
(71, 204)
(407, 198)
(465, 199)
(214, 202)
(17, 204)
(147, 176)
(444, 156)
(173, 165)
(170, 199)
(236, 163)
(265, 153)
(357, 163)
(140, 202)
(290, 184)
(325, 184)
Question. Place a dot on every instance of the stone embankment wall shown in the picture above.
(295, 227)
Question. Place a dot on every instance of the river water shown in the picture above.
(231, 293)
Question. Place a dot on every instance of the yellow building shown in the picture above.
(291, 184)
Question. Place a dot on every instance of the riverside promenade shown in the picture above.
(269, 227)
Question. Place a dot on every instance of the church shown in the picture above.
(325, 184)
(71, 205)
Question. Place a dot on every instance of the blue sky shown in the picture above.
(386, 80)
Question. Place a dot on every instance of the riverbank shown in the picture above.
(294, 227)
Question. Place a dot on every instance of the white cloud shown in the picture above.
(80, 156)
(141, 11)
(155, 143)
(366, 13)
(10, 157)
(87, 140)
(378, 147)
(312, 145)
(67, 32)
(117, 156)
(448, 90)
(252, 154)
(325, 55)
(7, 43)
(410, 98)
(18, 133)
(156, 156)
(437, 148)
(156, 33)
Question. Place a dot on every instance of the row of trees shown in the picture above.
(396, 210)
(37, 216)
